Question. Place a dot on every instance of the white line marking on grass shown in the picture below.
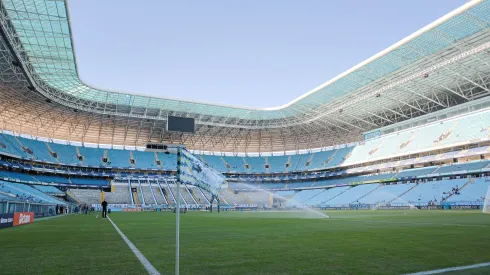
(150, 268)
(449, 269)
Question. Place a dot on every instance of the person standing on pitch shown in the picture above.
(104, 209)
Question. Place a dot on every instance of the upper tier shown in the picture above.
(472, 128)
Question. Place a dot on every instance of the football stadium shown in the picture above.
(383, 169)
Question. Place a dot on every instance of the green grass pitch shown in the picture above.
(351, 242)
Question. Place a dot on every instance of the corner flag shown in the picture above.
(191, 170)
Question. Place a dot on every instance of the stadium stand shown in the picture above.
(215, 162)
(425, 192)
(256, 164)
(386, 193)
(473, 192)
(260, 198)
(461, 167)
(277, 164)
(120, 195)
(147, 194)
(88, 181)
(16, 176)
(394, 188)
(416, 172)
(66, 154)
(169, 161)
(352, 195)
(48, 189)
(39, 149)
(52, 179)
(27, 193)
(453, 131)
(199, 196)
(88, 196)
(118, 158)
(144, 160)
(91, 156)
(159, 195)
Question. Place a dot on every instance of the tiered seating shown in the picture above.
(27, 193)
(304, 196)
(277, 164)
(209, 197)
(462, 166)
(347, 180)
(464, 129)
(293, 162)
(416, 172)
(169, 195)
(285, 194)
(7, 196)
(52, 179)
(259, 197)
(236, 164)
(4, 145)
(92, 156)
(379, 176)
(169, 161)
(214, 162)
(272, 185)
(88, 196)
(16, 175)
(158, 194)
(66, 154)
(39, 149)
(173, 188)
(187, 197)
(233, 198)
(147, 194)
(429, 191)
(386, 193)
(145, 160)
(13, 146)
(325, 197)
(353, 194)
(89, 181)
(137, 196)
(118, 158)
(472, 192)
(320, 158)
(257, 164)
(300, 184)
(200, 198)
(120, 195)
(339, 157)
(48, 189)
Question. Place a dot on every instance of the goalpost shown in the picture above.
(486, 202)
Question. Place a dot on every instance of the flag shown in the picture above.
(191, 170)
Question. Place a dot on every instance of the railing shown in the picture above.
(40, 210)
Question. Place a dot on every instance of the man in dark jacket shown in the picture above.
(104, 209)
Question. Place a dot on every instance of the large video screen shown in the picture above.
(180, 124)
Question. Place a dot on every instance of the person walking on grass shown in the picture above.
(104, 209)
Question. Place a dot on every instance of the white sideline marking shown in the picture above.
(150, 268)
(444, 270)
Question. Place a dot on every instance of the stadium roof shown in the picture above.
(444, 64)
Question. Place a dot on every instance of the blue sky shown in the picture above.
(252, 53)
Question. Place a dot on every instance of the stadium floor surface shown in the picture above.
(351, 242)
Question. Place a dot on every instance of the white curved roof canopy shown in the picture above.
(444, 64)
